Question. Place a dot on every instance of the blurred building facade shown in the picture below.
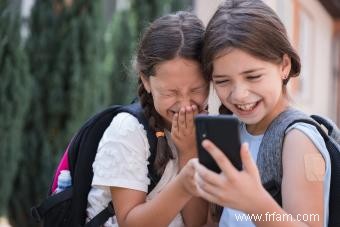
(313, 27)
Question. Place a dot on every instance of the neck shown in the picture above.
(260, 127)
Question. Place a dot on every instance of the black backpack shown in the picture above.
(68, 207)
(332, 142)
(275, 134)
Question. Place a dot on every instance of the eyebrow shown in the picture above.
(192, 89)
(244, 72)
(200, 86)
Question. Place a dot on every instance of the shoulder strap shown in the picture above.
(269, 159)
(87, 140)
(332, 128)
(136, 110)
(333, 148)
(81, 153)
(270, 156)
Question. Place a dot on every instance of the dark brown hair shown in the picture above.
(175, 35)
(252, 26)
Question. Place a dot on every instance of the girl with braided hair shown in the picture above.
(171, 90)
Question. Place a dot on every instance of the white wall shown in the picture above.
(320, 100)
(206, 8)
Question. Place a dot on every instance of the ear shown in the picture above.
(146, 82)
(286, 66)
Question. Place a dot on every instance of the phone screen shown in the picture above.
(223, 131)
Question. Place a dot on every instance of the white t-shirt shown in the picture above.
(235, 218)
(121, 161)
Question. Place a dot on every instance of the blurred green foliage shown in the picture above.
(68, 68)
(15, 95)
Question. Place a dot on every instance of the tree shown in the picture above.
(148, 10)
(121, 42)
(15, 89)
(66, 55)
(122, 37)
(76, 74)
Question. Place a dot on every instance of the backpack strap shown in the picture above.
(269, 158)
(102, 217)
(81, 154)
(333, 148)
(332, 128)
(315, 124)
(135, 110)
(38, 212)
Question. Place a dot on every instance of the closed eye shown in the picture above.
(221, 81)
(254, 77)
(199, 90)
(169, 94)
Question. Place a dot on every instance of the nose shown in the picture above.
(239, 93)
(185, 101)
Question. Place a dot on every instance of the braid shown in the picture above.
(168, 37)
(215, 212)
(163, 152)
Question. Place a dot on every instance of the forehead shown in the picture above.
(237, 61)
(178, 72)
(237, 58)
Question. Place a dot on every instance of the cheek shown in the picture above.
(275, 90)
(222, 93)
(162, 104)
(200, 98)
(157, 102)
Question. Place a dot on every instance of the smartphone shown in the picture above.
(224, 132)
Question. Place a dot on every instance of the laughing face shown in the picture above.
(250, 87)
(177, 83)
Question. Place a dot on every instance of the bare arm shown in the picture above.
(195, 212)
(243, 190)
(132, 209)
(183, 134)
(302, 184)
(303, 169)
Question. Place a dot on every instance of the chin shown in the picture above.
(249, 120)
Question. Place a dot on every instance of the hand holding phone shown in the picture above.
(223, 131)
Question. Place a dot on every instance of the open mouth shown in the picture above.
(247, 108)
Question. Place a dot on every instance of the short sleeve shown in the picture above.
(122, 155)
(312, 133)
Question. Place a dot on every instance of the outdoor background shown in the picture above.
(61, 61)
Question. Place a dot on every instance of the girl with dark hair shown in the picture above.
(249, 59)
(172, 90)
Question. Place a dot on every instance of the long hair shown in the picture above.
(252, 26)
(175, 35)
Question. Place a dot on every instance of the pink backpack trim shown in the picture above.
(63, 165)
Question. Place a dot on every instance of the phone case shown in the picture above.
(223, 131)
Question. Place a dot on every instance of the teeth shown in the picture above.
(246, 107)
